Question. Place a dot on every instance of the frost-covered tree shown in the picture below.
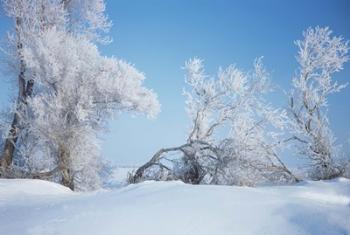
(229, 141)
(31, 19)
(320, 56)
(76, 91)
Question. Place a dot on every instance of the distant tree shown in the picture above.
(229, 142)
(320, 56)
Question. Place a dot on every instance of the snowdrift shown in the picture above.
(39, 207)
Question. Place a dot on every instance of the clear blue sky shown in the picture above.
(158, 36)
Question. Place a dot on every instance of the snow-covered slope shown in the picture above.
(39, 207)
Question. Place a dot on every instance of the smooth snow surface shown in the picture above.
(166, 208)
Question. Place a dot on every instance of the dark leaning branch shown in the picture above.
(137, 177)
(154, 161)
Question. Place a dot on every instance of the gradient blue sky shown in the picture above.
(158, 36)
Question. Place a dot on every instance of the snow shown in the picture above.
(21, 189)
(39, 207)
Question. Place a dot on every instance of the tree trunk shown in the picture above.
(10, 142)
(65, 167)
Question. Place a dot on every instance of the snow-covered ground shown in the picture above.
(165, 208)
